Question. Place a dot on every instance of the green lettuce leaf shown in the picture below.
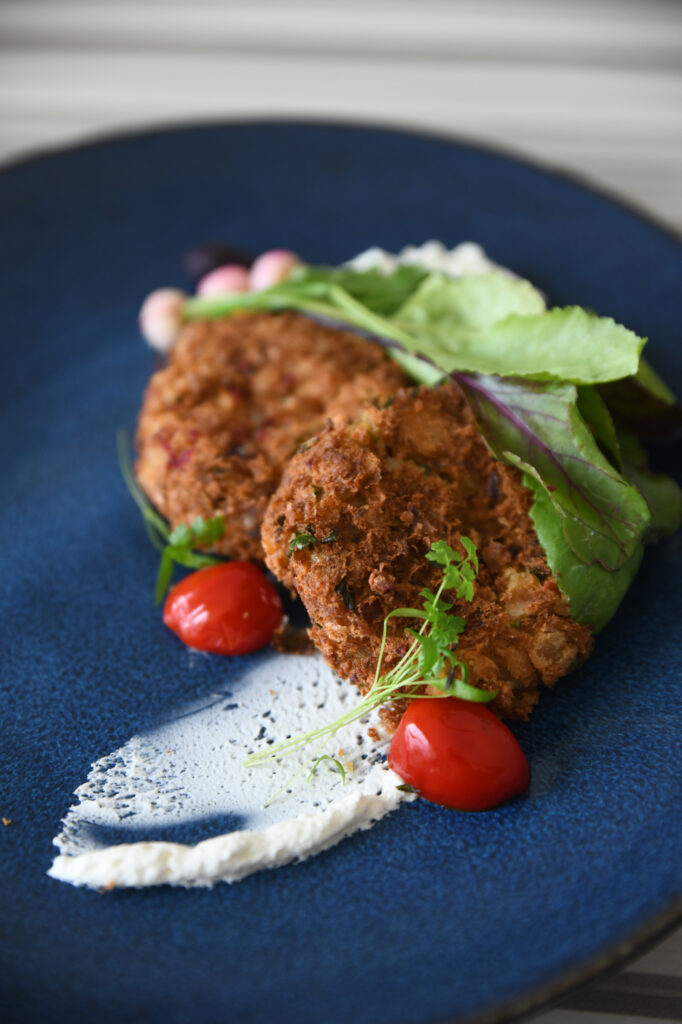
(381, 293)
(550, 389)
(537, 427)
(492, 323)
(476, 301)
(662, 495)
(594, 525)
(596, 415)
(644, 403)
(594, 592)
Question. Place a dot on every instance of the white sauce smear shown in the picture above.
(464, 259)
(191, 768)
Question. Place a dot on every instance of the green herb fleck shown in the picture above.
(346, 594)
(303, 541)
(335, 765)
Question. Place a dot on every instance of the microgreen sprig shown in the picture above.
(430, 659)
(180, 549)
(335, 766)
(175, 546)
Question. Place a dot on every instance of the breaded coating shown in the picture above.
(237, 398)
(387, 486)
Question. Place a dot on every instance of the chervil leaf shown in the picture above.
(181, 536)
(442, 553)
(430, 659)
(208, 531)
(434, 605)
(428, 654)
(470, 549)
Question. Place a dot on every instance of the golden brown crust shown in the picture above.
(236, 399)
(390, 484)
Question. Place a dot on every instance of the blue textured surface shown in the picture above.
(431, 914)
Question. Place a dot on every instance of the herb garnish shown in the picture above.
(175, 546)
(431, 658)
(335, 766)
(346, 594)
(180, 549)
(303, 541)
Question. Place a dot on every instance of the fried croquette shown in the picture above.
(237, 398)
(379, 491)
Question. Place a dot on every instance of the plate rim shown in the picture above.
(634, 944)
(576, 178)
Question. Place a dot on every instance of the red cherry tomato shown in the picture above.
(226, 609)
(459, 754)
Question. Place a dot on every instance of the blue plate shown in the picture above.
(431, 915)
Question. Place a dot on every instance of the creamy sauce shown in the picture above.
(465, 258)
(190, 769)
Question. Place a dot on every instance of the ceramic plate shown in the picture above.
(431, 915)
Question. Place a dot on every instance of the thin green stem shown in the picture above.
(407, 678)
(151, 517)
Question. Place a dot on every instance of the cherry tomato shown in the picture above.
(459, 754)
(226, 609)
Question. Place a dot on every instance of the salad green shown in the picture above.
(559, 393)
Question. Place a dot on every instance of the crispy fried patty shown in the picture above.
(387, 486)
(237, 398)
